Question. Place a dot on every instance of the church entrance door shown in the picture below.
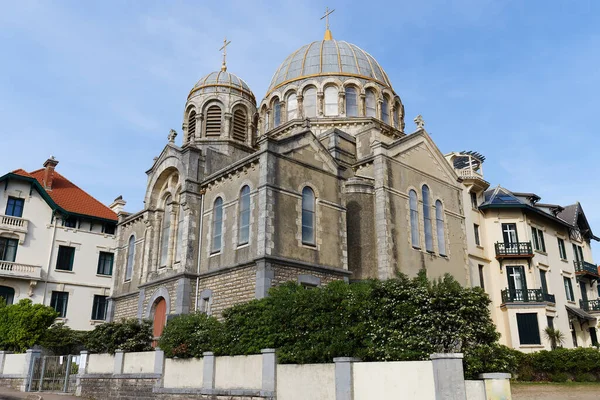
(160, 317)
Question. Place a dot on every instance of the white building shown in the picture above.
(56, 245)
(533, 259)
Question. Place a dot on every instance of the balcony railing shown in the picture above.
(517, 249)
(590, 305)
(584, 267)
(13, 223)
(18, 270)
(527, 296)
(469, 173)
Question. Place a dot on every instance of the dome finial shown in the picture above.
(224, 48)
(328, 35)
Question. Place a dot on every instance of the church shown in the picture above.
(319, 181)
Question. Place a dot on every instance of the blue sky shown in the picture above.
(99, 84)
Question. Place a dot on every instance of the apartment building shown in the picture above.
(533, 259)
(56, 245)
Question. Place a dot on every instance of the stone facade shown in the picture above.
(300, 188)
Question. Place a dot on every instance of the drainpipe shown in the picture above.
(199, 251)
(50, 256)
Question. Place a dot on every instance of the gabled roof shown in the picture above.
(570, 216)
(65, 196)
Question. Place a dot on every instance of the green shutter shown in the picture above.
(529, 331)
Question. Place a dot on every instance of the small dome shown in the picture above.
(327, 58)
(222, 82)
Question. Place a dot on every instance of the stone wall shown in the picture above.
(126, 307)
(283, 273)
(229, 287)
(112, 387)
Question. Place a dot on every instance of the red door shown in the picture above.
(160, 317)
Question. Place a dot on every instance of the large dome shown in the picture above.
(328, 57)
(221, 82)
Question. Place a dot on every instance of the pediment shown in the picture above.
(306, 148)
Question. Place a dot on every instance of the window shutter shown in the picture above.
(529, 331)
(213, 121)
(239, 125)
(191, 126)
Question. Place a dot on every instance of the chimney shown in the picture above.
(118, 205)
(49, 166)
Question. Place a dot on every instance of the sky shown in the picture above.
(100, 84)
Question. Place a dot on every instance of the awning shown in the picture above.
(580, 314)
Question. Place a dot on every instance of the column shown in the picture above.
(208, 373)
(344, 386)
(119, 359)
(227, 128)
(448, 376)
(199, 127)
(300, 98)
(320, 104)
(269, 372)
(342, 102)
(362, 105)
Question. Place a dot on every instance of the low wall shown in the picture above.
(101, 364)
(15, 364)
(307, 381)
(139, 363)
(240, 372)
(183, 373)
(385, 380)
(475, 390)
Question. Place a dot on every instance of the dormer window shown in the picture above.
(70, 222)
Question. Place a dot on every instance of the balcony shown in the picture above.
(18, 270)
(14, 225)
(526, 296)
(590, 305)
(514, 250)
(585, 269)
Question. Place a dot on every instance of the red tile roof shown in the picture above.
(70, 197)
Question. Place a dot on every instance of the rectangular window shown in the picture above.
(543, 281)
(593, 336)
(14, 207)
(99, 308)
(561, 249)
(8, 249)
(550, 321)
(538, 239)
(109, 229)
(529, 331)
(70, 222)
(476, 231)
(105, 263)
(473, 199)
(59, 301)
(569, 289)
(65, 258)
(481, 281)
(509, 233)
(578, 253)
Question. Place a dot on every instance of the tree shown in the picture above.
(22, 325)
(555, 337)
(127, 335)
(188, 335)
(61, 340)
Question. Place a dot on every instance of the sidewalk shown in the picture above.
(10, 394)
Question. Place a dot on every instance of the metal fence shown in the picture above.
(54, 374)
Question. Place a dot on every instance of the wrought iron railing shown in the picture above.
(526, 296)
(514, 249)
(584, 266)
(590, 305)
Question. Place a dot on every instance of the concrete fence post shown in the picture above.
(84, 358)
(208, 373)
(344, 385)
(30, 357)
(448, 376)
(119, 359)
(269, 372)
(497, 386)
(159, 366)
(3, 355)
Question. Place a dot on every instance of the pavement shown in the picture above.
(549, 391)
(10, 394)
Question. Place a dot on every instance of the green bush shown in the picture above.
(22, 325)
(128, 335)
(586, 377)
(190, 335)
(559, 377)
(61, 340)
(491, 358)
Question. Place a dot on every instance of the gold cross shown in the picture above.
(326, 16)
(224, 48)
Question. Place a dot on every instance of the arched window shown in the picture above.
(179, 244)
(217, 233)
(276, 113)
(371, 104)
(414, 219)
(166, 232)
(191, 126)
(351, 102)
(439, 225)
(130, 258)
(292, 107)
(385, 110)
(427, 219)
(213, 121)
(331, 101)
(8, 294)
(239, 125)
(244, 217)
(308, 216)
(309, 102)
